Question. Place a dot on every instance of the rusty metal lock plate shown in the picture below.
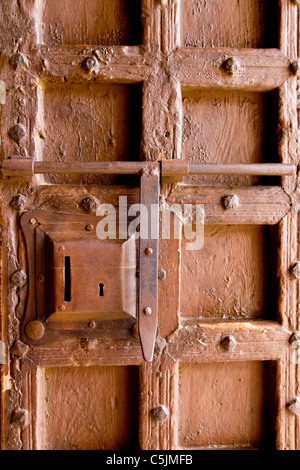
(90, 279)
(76, 280)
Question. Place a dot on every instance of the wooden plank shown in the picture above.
(122, 64)
(257, 205)
(232, 23)
(108, 22)
(261, 70)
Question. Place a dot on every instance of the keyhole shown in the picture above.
(101, 290)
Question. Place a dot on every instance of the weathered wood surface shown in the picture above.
(159, 91)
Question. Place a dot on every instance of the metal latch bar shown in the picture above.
(16, 166)
(148, 285)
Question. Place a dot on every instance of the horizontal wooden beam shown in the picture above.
(255, 69)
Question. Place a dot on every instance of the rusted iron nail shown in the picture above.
(20, 417)
(90, 204)
(230, 201)
(149, 251)
(162, 274)
(17, 132)
(160, 413)
(35, 329)
(294, 406)
(18, 61)
(41, 278)
(148, 311)
(19, 278)
(89, 228)
(295, 270)
(18, 202)
(62, 308)
(92, 325)
(295, 340)
(61, 248)
(295, 67)
(33, 221)
(89, 63)
(228, 343)
(231, 65)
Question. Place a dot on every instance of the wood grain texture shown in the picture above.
(91, 408)
(229, 23)
(232, 407)
(91, 22)
(228, 127)
(96, 122)
(229, 276)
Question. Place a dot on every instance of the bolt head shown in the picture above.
(92, 325)
(228, 343)
(17, 132)
(148, 311)
(19, 278)
(295, 67)
(149, 251)
(160, 413)
(295, 340)
(230, 201)
(294, 406)
(295, 270)
(35, 330)
(90, 204)
(231, 65)
(162, 274)
(89, 63)
(89, 228)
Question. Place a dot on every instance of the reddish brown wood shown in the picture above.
(149, 84)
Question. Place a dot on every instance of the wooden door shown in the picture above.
(207, 81)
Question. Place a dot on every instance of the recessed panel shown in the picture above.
(229, 127)
(229, 23)
(233, 276)
(89, 408)
(227, 405)
(98, 22)
(90, 123)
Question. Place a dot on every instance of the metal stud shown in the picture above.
(231, 65)
(35, 329)
(228, 343)
(160, 413)
(230, 201)
(295, 270)
(294, 406)
(17, 132)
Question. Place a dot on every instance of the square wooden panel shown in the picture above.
(88, 408)
(228, 404)
(230, 23)
(91, 122)
(229, 127)
(96, 22)
(233, 276)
